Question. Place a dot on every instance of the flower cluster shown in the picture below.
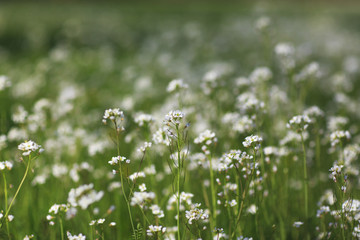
(336, 171)
(196, 213)
(141, 198)
(261, 74)
(176, 85)
(143, 148)
(285, 53)
(97, 222)
(263, 24)
(75, 237)
(174, 117)
(84, 196)
(207, 138)
(234, 158)
(299, 123)
(143, 119)
(160, 137)
(29, 147)
(153, 230)
(116, 160)
(156, 210)
(248, 102)
(184, 198)
(114, 115)
(337, 136)
(4, 82)
(6, 164)
(28, 237)
(55, 210)
(253, 141)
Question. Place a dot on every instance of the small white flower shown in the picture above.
(30, 146)
(28, 237)
(75, 237)
(253, 141)
(10, 218)
(233, 203)
(176, 85)
(252, 209)
(196, 214)
(142, 187)
(207, 138)
(174, 117)
(261, 74)
(142, 119)
(155, 229)
(299, 123)
(297, 224)
(4, 82)
(101, 221)
(337, 136)
(136, 175)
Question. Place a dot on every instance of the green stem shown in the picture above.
(305, 181)
(122, 182)
(255, 194)
(126, 200)
(178, 181)
(6, 205)
(61, 228)
(213, 193)
(17, 191)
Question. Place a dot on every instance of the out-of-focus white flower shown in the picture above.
(155, 229)
(4, 82)
(20, 115)
(261, 74)
(176, 85)
(6, 164)
(28, 237)
(142, 119)
(252, 209)
(207, 137)
(299, 123)
(84, 196)
(75, 237)
(263, 24)
(297, 224)
(337, 136)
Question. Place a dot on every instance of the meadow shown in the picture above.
(179, 121)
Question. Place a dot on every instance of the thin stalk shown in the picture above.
(122, 182)
(255, 194)
(178, 181)
(6, 205)
(61, 228)
(305, 183)
(305, 180)
(238, 217)
(213, 193)
(17, 191)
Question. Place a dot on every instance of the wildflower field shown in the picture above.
(179, 121)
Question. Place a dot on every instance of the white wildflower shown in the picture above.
(176, 85)
(30, 146)
(75, 237)
(153, 230)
